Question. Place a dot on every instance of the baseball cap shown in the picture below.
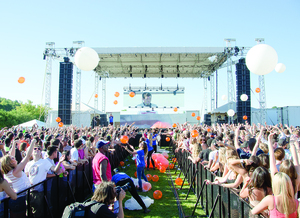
(101, 143)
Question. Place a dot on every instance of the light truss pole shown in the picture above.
(97, 78)
(205, 94)
(77, 121)
(212, 92)
(230, 84)
(48, 56)
(262, 94)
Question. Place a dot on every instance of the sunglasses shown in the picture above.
(37, 149)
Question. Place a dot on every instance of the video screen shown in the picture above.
(153, 98)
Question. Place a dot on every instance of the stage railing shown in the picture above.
(216, 201)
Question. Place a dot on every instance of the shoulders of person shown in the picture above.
(140, 152)
(101, 210)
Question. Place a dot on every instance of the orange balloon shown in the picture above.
(165, 154)
(257, 90)
(171, 166)
(96, 95)
(162, 169)
(131, 94)
(61, 124)
(167, 139)
(198, 117)
(194, 133)
(149, 177)
(124, 139)
(21, 80)
(117, 94)
(193, 114)
(245, 117)
(157, 194)
(122, 163)
(178, 181)
(175, 109)
(174, 125)
(115, 102)
(208, 130)
(174, 160)
(135, 174)
(146, 186)
(58, 119)
(155, 178)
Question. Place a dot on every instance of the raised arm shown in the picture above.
(257, 142)
(273, 168)
(236, 137)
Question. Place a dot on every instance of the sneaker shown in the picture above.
(147, 211)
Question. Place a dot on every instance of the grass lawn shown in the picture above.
(167, 205)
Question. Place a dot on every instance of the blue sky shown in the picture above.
(27, 25)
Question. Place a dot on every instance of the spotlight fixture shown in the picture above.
(162, 76)
(130, 75)
(178, 75)
(144, 75)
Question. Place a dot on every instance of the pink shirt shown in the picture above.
(99, 157)
(277, 214)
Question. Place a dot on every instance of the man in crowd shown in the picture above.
(101, 166)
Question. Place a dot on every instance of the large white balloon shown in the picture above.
(261, 59)
(230, 112)
(244, 97)
(280, 68)
(224, 97)
(86, 59)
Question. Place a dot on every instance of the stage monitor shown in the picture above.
(153, 98)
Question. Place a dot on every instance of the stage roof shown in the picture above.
(157, 62)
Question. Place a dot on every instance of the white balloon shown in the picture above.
(261, 59)
(86, 59)
(244, 97)
(224, 97)
(280, 68)
(230, 112)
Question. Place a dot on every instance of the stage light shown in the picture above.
(144, 75)
(99, 77)
(130, 75)
(162, 76)
(178, 75)
(130, 68)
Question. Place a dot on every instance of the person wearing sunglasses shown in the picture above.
(37, 170)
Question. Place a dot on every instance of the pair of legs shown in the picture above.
(132, 191)
(148, 159)
(140, 173)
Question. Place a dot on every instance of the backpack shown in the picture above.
(78, 209)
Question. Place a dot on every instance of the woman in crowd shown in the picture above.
(140, 159)
(14, 174)
(282, 203)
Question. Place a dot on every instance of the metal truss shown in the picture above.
(97, 77)
(205, 94)
(212, 92)
(262, 94)
(48, 55)
(76, 119)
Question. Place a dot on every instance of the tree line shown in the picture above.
(13, 113)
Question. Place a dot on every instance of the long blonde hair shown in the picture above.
(196, 148)
(282, 185)
(145, 148)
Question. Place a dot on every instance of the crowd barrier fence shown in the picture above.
(216, 201)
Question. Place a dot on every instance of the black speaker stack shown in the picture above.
(243, 108)
(65, 91)
(207, 119)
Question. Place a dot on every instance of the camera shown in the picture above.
(124, 187)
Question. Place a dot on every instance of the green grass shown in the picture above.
(166, 206)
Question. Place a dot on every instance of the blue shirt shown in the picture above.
(150, 148)
(140, 159)
(111, 118)
(244, 155)
(119, 176)
(154, 141)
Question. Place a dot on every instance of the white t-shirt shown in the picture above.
(212, 155)
(37, 171)
(74, 154)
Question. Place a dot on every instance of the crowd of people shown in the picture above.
(260, 161)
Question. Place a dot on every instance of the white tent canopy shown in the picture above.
(31, 123)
